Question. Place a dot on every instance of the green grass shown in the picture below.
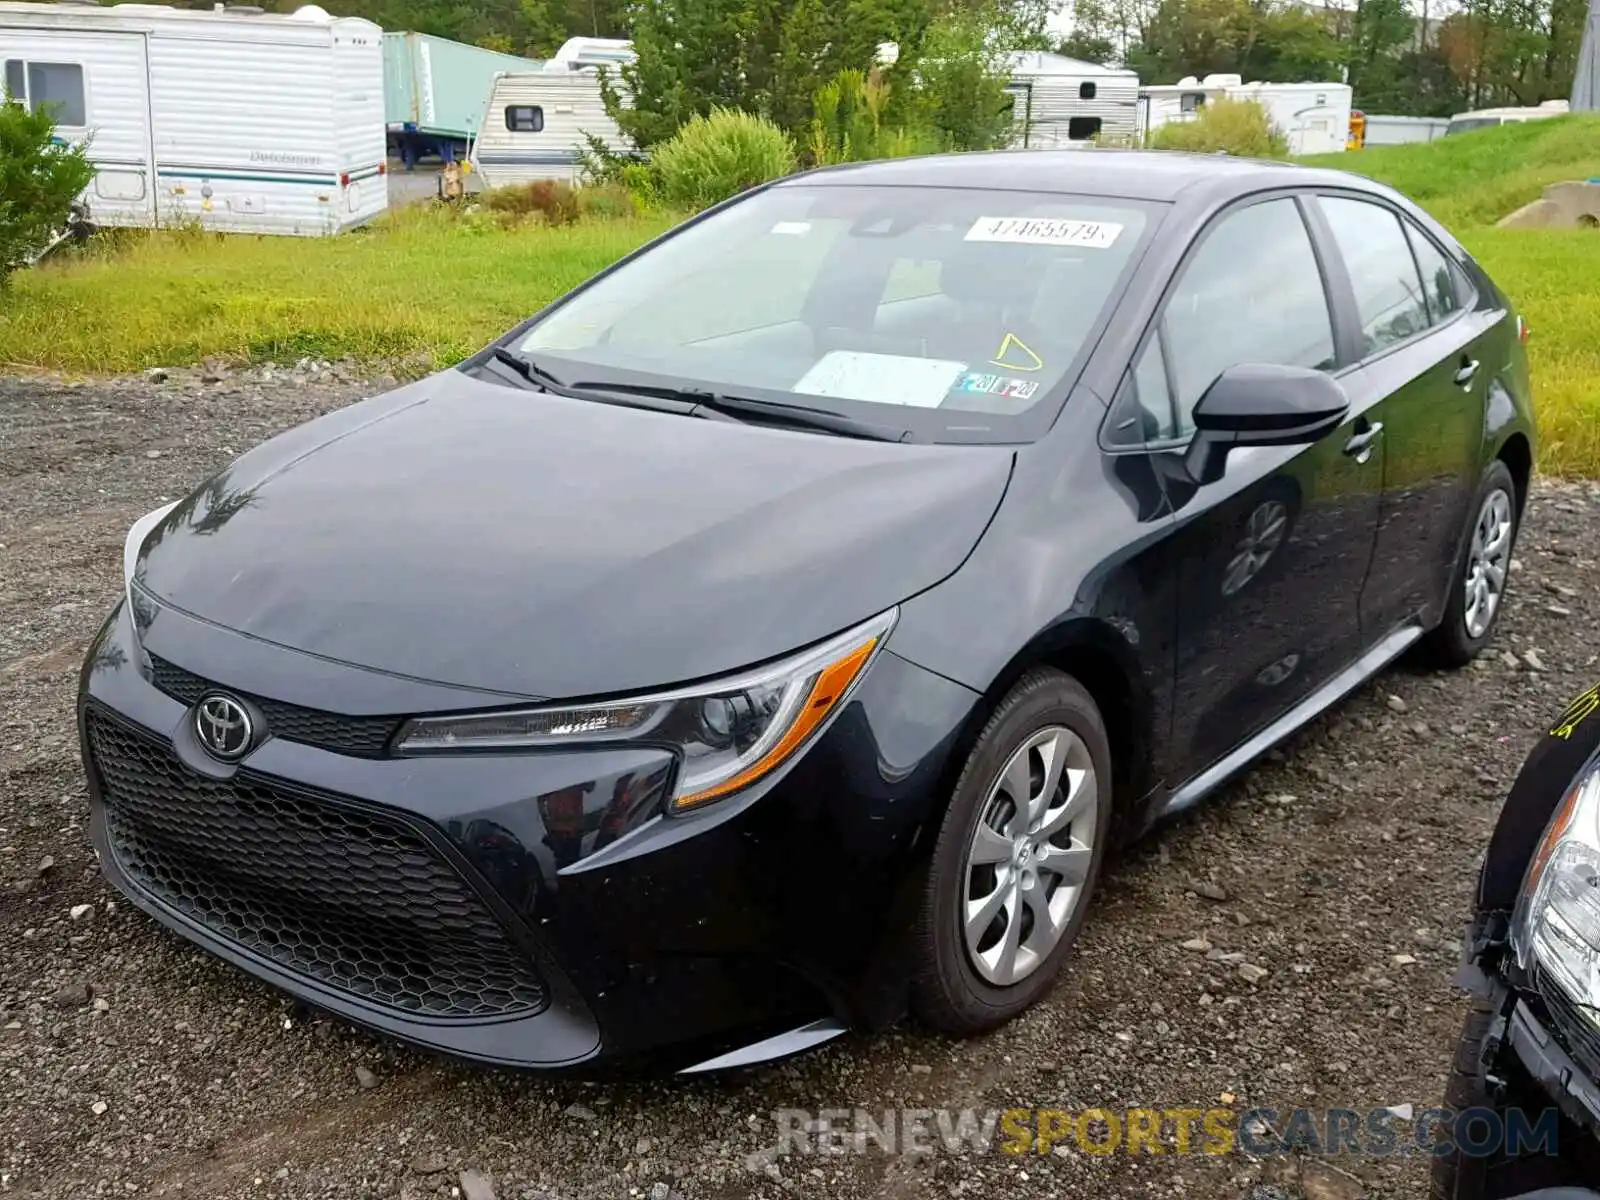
(429, 288)
(420, 285)
(1474, 179)
(1553, 277)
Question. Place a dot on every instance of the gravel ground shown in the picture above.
(131, 1063)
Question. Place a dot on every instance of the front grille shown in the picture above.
(1575, 1029)
(364, 737)
(351, 899)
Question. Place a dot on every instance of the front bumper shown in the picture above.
(582, 925)
(1547, 1062)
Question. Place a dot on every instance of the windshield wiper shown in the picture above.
(721, 405)
(600, 393)
(529, 370)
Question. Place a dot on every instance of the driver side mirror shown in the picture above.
(1261, 404)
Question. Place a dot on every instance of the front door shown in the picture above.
(1425, 372)
(1270, 559)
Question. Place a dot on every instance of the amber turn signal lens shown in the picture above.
(827, 689)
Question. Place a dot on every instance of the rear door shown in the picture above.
(1423, 375)
(1270, 559)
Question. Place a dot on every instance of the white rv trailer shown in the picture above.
(578, 53)
(241, 120)
(1315, 117)
(536, 124)
(1062, 101)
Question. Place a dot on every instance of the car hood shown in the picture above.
(470, 533)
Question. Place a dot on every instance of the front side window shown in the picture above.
(524, 118)
(57, 88)
(1252, 293)
(951, 311)
(1389, 301)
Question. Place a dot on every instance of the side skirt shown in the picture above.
(1318, 702)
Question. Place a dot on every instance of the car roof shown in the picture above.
(1128, 174)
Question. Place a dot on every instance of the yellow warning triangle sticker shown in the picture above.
(1016, 349)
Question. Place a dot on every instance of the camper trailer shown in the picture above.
(1060, 101)
(237, 119)
(1487, 118)
(1315, 117)
(536, 125)
(582, 53)
(433, 91)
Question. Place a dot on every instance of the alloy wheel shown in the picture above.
(1030, 856)
(1487, 563)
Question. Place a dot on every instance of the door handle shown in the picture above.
(1468, 370)
(1359, 447)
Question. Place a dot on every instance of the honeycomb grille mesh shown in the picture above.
(350, 899)
(363, 737)
(1575, 1028)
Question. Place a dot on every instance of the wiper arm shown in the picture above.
(529, 370)
(597, 392)
(720, 404)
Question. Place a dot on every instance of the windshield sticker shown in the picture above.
(975, 383)
(1582, 707)
(1044, 231)
(881, 378)
(793, 228)
(1015, 355)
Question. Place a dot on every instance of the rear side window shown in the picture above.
(524, 118)
(1441, 285)
(1377, 254)
(1251, 294)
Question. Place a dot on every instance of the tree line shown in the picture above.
(1398, 57)
(770, 56)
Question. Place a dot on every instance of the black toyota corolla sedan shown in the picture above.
(771, 636)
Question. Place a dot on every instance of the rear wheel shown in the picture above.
(1017, 857)
(1478, 590)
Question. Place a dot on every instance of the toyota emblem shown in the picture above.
(224, 727)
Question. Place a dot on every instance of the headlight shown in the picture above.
(728, 733)
(1556, 926)
(135, 542)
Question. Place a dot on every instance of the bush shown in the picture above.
(1240, 127)
(557, 202)
(607, 202)
(39, 181)
(850, 123)
(713, 158)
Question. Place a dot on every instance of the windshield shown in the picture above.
(952, 312)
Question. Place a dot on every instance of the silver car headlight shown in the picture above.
(1556, 926)
(728, 733)
(137, 533)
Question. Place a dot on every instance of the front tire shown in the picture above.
(1017, 858)
(1483, 576)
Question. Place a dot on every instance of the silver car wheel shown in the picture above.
(1030, 856)
(1488, 561)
